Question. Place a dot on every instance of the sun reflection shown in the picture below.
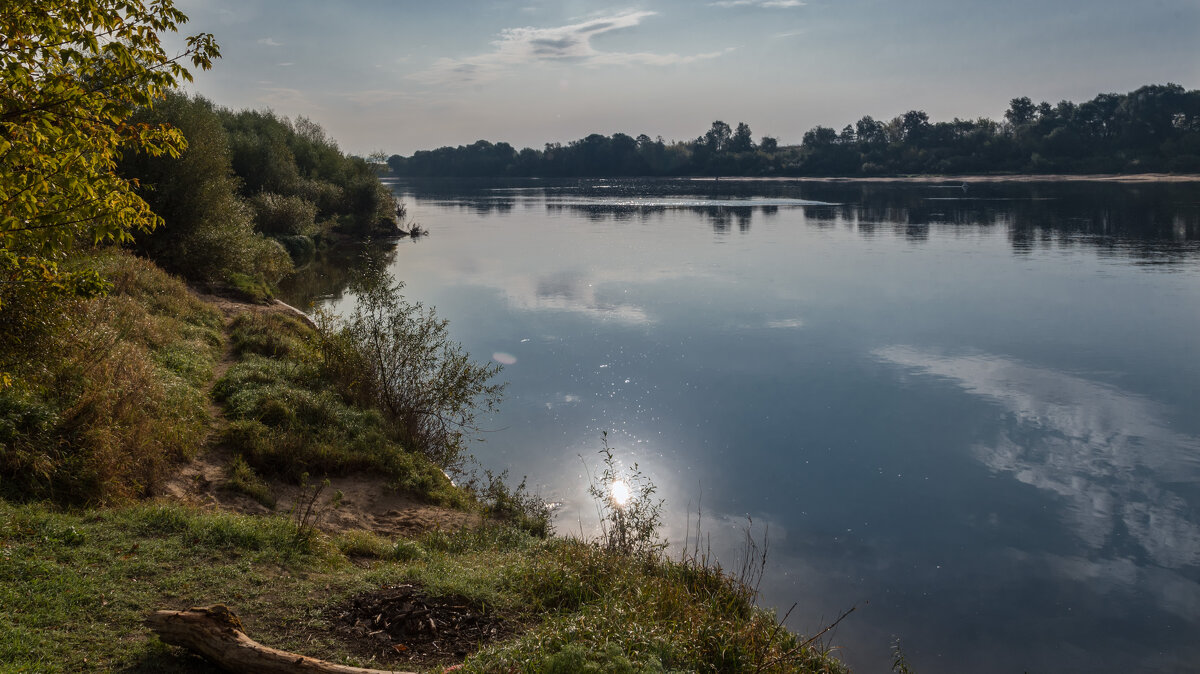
(619, 492)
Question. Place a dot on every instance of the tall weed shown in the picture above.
(630, 514)
(114, 397)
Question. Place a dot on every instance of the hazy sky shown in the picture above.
(399, 75)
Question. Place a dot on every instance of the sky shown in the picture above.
(399, 76)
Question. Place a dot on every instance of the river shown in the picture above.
(969, 411)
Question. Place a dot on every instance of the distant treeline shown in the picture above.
(1155, 128)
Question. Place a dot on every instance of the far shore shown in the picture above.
(1010, 178)
(998, 178)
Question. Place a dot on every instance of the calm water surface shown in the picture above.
(969, 413)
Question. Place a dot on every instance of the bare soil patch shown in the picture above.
(368, 503)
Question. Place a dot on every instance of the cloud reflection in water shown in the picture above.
(1109, 453)
(573, 292)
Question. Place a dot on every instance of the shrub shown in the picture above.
(369, 203)
(514, 505)
(274, 335)
(209, 233)
(327, 196)
(299, 247)
(27, 454)
(269, 260)
(279, 214)
(424, 383)
(287, 420)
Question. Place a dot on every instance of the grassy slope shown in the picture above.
(76, 587)
(113, 393)
(289, 417)
(76, 584)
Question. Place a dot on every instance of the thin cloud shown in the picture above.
(283, 98)
(371, 97)
(768, 4)
(562, 44)
(269, 41)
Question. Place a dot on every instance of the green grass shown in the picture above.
(287, 418)
(77, 586)
(243, 479)
(274, 335)
(249, 288)
(659, 615)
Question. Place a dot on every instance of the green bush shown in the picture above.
(242, 478)
(301, 248)
(278, 214)
(370, 204)
(209, 232)
(404, 362)
(286, 419)
(275, 335)
(27, 456)
(327, 196)
(514, 505)
(300, 181)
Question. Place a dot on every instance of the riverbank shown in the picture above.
(237, 513)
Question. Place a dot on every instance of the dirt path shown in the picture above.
(367, 502)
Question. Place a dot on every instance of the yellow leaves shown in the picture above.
(65, 93)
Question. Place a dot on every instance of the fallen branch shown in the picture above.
(215, 633)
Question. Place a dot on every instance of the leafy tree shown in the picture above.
(914, 124)
(1156, 127)
(1020, 111)
(869, 132)
(260, 153)
(717, 138)
(742, 140)
(71, 74)
(209, 233)
(820, 136)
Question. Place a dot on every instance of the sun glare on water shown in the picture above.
(620, 492)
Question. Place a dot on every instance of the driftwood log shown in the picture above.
(216, 633)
